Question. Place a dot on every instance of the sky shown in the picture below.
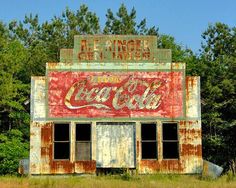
(185, 20)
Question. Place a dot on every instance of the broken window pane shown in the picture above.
(149, 141)
(83, 142)
(61, 141)
(170, 141)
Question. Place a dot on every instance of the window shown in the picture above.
(83, 142)
(149, 141)
(170, 141)
(61, 141)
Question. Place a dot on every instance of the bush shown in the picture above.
(12, 149)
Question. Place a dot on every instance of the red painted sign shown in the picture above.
(115, 94)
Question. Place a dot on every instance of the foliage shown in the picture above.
(45, 40)
(217, 67)
(124, 23)
(12, 149)
(13, 92)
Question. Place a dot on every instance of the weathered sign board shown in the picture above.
(113, 94)
(118, 48)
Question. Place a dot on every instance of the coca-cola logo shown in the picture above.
(114, 93)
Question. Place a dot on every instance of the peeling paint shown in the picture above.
(85, 166)
(152, 166)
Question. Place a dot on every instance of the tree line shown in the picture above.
(26, 46)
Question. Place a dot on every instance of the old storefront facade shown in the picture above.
(115, 102)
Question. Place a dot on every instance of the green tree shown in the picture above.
(124, 23)
(13, 92)
(45, 40)
(217, 68)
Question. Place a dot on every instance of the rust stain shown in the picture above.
(86, 166)
(193, 133)
(164, 165)
(191, 150)
(182, 124)
(36, 124)
(66, 167)
(45, 151)
(190, 83)
(52, 65)
(172, 165)
(138, 145)
(21, 170)
(46, 134)
(46, 146)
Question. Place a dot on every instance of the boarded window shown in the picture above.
(61, 141)
(149, 141)
(83, 142)
(170, 140)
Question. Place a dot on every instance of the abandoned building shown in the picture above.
(112, 102)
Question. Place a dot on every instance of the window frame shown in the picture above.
(170, 141)
(149, 141)
(69, 142)
(83, 141)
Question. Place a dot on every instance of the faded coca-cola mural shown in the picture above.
(115, 94)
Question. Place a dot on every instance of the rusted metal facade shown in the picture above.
(111, 88)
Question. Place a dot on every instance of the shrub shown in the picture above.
(12, 149)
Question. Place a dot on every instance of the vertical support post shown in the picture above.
(93, 140)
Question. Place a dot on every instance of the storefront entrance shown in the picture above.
(115, 145)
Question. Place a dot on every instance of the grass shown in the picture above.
(146, 181)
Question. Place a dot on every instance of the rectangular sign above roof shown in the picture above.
(115, 48)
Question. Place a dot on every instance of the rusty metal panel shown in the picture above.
(38, 108)
(85, 166)
(164, 166)
(115, 145)
(46, 147)
(190, 141)
(193, 106)
(190, 152)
